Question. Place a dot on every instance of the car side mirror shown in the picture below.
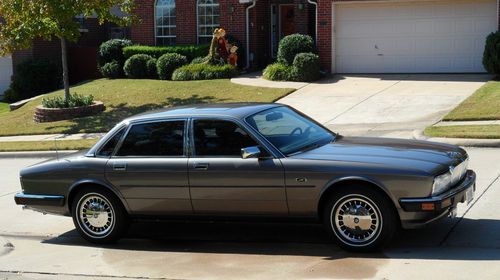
(250, 152)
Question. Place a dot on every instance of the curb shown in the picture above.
(35, 154)
(466, 142)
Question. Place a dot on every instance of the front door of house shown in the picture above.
(287, 20)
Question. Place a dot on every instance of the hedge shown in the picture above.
(491, 56)
(292, 45)
(203, 72)
(189, 51)
(140, 66)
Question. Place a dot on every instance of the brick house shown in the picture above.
(370, 36)
(353, 36)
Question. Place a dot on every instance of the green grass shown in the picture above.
(4, 107)
(46, 145)
(484, 104)
(124, 98)
(465, 131)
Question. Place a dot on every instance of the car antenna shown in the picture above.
(55, 145)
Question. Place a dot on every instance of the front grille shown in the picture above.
(458, 172)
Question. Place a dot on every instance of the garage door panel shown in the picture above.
(426, 37)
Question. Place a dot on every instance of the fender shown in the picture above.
(99, 183)
(331, 184)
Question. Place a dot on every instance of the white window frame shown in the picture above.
(157, 36)
(215, 3)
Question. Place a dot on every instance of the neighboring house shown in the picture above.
(5, 73)
(377, 36)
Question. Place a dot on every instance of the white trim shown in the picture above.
(205, 25)
(167, 26)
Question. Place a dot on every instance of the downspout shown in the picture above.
(316, 20)
(247, 15)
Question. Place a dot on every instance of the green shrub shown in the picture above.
(112, 70)
(203, 72)
(491, 56)
(306, 68)
(198, 60)
(277, 72)
(112, 50)
(140, 66)
(292, 45)
(167, 64)
(32, 78)
(189, 51)
(74, 100)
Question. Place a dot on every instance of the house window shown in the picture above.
(165, 22)
(208, 19)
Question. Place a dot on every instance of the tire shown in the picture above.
(108, 225)
(360, 219)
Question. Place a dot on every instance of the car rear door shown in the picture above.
(149, 168)
(222, 182)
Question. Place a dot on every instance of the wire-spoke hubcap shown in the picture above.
(96, 215)
(357, 219)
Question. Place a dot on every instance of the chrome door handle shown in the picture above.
(201, 166)
(118, 166)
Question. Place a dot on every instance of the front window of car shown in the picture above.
(289, 131)
(154, 139)
(214, 138)
(109, 147)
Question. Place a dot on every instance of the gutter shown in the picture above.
(316, 20)
(247, 16)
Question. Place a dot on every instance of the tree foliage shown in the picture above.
(26, 20)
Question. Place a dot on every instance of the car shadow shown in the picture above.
(447, 240)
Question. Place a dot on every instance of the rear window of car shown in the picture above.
(109, 147)
(154, 139)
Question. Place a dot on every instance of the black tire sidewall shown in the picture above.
(386, 230)
(121, 221)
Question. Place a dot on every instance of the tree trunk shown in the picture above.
(64, 58)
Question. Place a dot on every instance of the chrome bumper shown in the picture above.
(39, 200)
(445, 200)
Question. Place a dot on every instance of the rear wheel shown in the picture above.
(99, 216)
(360, 219)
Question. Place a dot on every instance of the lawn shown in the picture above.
(46, 145)
(127, 97)
(465, 131)
(4, 107)
(484, 104)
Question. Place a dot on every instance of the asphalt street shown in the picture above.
(36, 246)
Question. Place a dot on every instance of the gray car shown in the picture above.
(250, 160)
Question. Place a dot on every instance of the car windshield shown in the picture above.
(289, 131)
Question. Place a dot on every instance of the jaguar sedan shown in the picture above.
(250, 160)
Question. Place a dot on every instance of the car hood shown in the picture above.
(429, 157)
(58, 163)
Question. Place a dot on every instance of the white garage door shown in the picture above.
(5, 73)
(412, 37)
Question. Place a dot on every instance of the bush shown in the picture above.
(292, 45)
(140, 66)
(167, 64)
(32, 78)
(203, 72)
(112, 70)
(306, 68)
(189, 51)
(74, 100)
(491, 56)
(277, 72)
(112, 50)
(199, 60)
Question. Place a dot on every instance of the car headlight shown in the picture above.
(441, 183)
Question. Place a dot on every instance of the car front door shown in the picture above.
(222, 182)
(150, 168)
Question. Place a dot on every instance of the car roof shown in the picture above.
(235, 110)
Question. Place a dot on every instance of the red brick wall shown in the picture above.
(143, 32)
(325, 33)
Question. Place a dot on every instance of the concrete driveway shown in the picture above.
(384, 105)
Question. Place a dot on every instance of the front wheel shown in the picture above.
(99, 216)
(360, 219)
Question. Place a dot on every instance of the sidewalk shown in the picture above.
(255, 79)
(51, 137)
